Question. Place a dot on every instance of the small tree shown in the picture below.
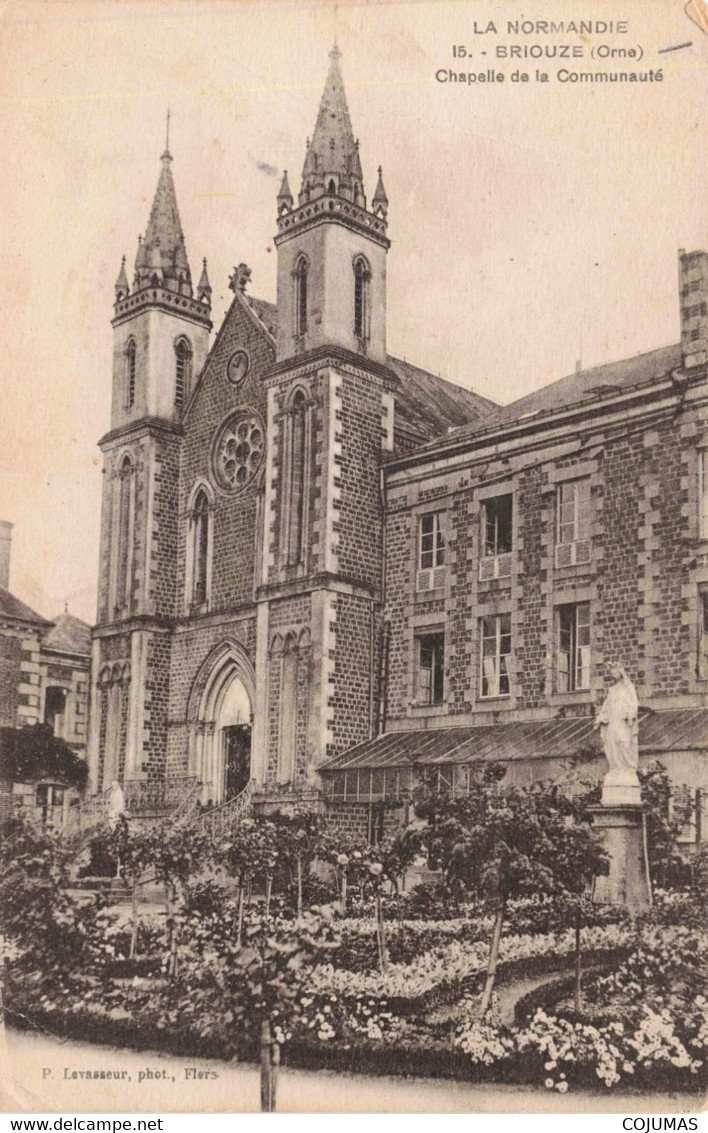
(268, 977)
(28, 754)
(250, 851)
(300, 838)
(505, 844)
(178, 853)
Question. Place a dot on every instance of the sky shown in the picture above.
(532, 225)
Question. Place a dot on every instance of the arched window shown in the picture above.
(332, 188)
(200, 549)
(362, 276)
(126, 521)
(301, 296)
(288, 713)
(183, 370)
(129, 378)
(297, 479)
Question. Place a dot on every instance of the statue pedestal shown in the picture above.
(621, 826)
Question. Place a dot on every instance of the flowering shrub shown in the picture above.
(111, 932)
(459, 960)
(568, 1053)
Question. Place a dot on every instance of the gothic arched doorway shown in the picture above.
(221, 715)
(234, 738)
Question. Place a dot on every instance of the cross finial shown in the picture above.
(167, 131)
(335, 53)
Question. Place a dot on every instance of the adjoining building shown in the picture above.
(323, 568)
(44, 679)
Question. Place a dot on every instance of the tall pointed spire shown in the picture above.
(332, 162)
(162, 255)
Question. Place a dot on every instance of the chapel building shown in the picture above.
(323, 568)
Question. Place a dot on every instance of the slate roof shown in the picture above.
(266, 312)
(11, 607)
(427, 405)
(676, 729)
(586, 385)
(69, 635)
(430, 405)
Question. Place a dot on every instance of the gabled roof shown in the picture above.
(266, 312)
(69, 635)
(585, 385)
(428, 405)
(12, 607)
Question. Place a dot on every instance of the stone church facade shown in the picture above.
(322, 567)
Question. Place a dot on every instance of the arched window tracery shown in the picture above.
(131, 353)
(301, 297)
(183, 370)
(126, 524)
(297, 479)
(362, 277)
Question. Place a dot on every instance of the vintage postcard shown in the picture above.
(354, 557)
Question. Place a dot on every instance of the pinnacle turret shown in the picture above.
(204, 286)
(122, 288)
(285, 197)
(379, 201)
(332, 162)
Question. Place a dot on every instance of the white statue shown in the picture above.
(617, 720)
(116, 803)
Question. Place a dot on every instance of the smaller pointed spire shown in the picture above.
(379, 201)
(122, 287)
(204, 286)
(285, 197)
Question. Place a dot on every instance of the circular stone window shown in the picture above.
(238, 450)
(237, 367)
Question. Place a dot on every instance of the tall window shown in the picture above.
(288, 715)
(126, 514)
(573, 669)
(200, 549)
(183, 367)
(129, 378)
(573, 525)
(297, 479)
(495, 655)
(703, 492)
(431, 552)
(430, 668)
(54, 703)
(703, 633)
(362, 276)
(495, 561)
(301, 296)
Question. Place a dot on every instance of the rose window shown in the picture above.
(239, 451)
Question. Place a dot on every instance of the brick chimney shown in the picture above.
(5, 547)
(693, 297)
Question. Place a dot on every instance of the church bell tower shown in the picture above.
(161, 337)
(330, 415)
